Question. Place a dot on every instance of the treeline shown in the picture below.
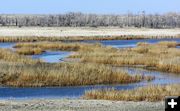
(169, 20)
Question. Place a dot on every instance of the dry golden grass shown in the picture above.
(168, 44)
(58, 46)
(53, 39)
(163, 56)
(150, 93)
(10, 56)
(143, 44)
(170, 64)
(63, 74)
(29, 51)
(80, 38)
(21, 71)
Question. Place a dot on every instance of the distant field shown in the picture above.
(67, 31)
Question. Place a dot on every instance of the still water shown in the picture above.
(76, 92)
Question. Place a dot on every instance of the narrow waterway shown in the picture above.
(75, 92)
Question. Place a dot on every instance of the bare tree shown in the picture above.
(168, 20)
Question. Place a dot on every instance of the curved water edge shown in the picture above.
(77, 92)
(161, 78)
(58, 56)
(52, 56)
(52, 92)
(47, 56)
(7, 45)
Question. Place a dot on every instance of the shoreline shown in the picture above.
(78, 105)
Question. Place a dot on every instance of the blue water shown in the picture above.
(56, 92)
(47, 56)
(57, 56)
(52, 56)
(7, 45)
(114, 43)
(130, 43)
(76, 92)
(161, 77)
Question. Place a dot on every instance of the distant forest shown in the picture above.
(168, 20)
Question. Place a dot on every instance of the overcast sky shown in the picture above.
(88, 6)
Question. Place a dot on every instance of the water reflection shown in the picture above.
(52, 56)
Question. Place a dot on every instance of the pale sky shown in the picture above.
(88, 6)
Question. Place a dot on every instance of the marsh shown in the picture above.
(53, 56)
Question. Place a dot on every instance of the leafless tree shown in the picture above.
(168, 20)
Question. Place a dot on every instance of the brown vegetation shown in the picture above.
(163, 56)
(10, 56)
(29, 51)
(150, 93)
(20, 71)
(64, 74)
(80, 38)
(58, 46)
(55, 39)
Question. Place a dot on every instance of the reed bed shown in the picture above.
(29, 51)
(81, 38)
(59, 46)
(64, 74)
(162, 56)
(39, 47)
(55, 39)
(168, 44)
(149, 93)
(22, 71)
(10, 56)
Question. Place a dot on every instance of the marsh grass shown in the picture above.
(63, 74)
(21, 71)
(162, 56)
(10, 56)
(81, 38)
(95, 66)
(149, 93)
(59, 46)
(55, 39)
(29, 51)
(168, 44)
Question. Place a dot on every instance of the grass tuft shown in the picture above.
(163, 56)
(63, 74)
(29, 51)
(149, 93)
(21, 71)
(10, 56)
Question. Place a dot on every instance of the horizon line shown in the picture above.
(128, 12)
